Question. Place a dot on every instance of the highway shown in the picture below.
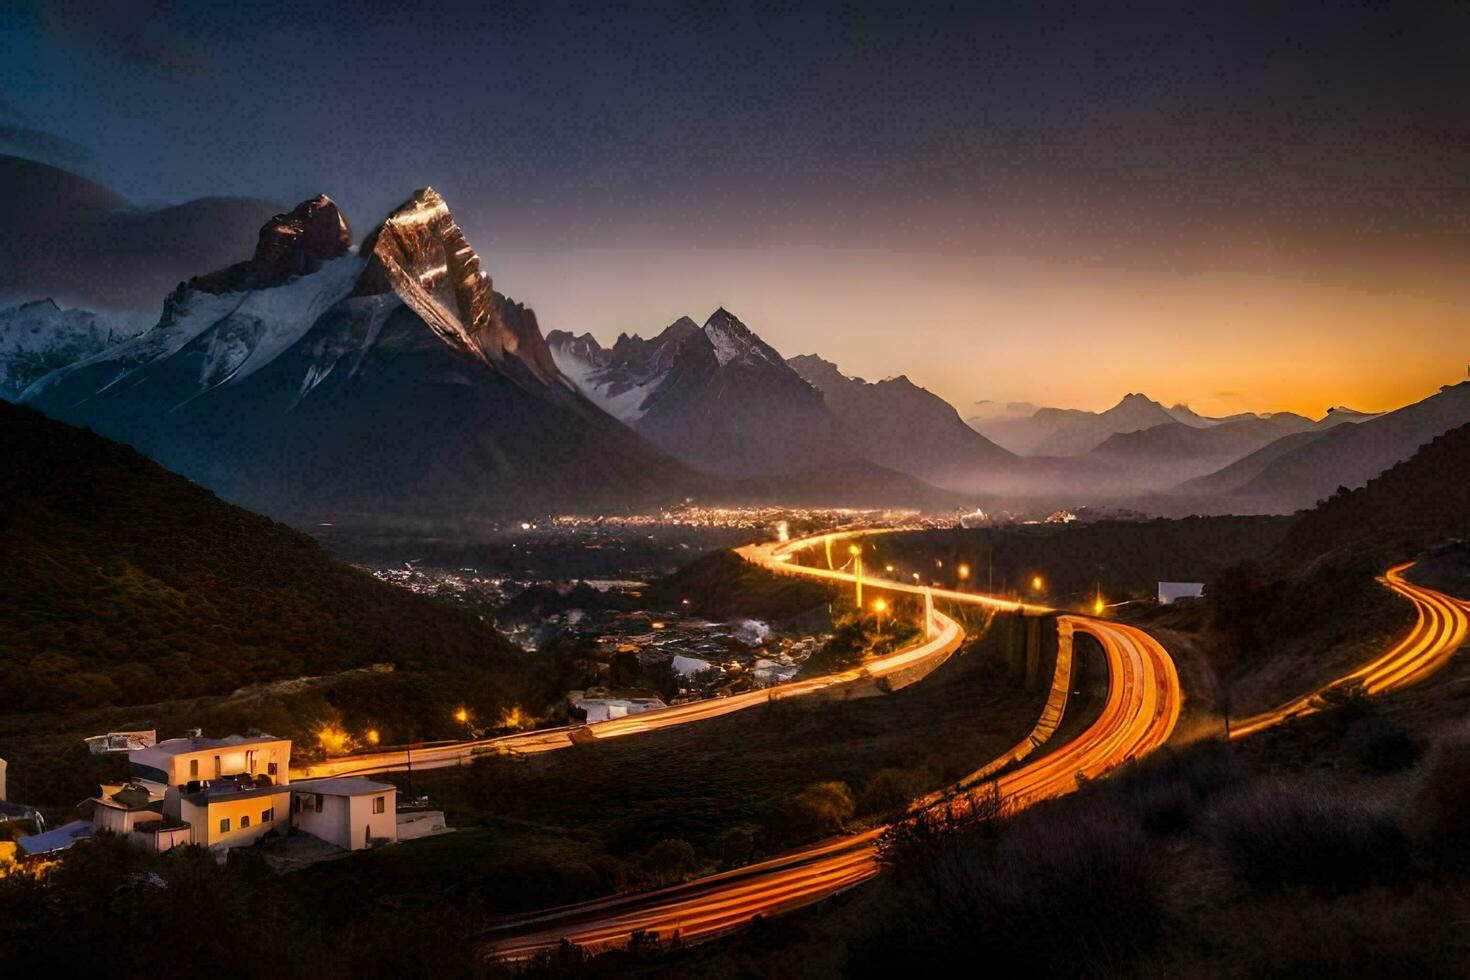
(895, 668)
(1139, 714)
(1441, 628)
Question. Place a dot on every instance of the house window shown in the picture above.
(268, 815)
(378, 803)
(295, 803)
(193, 768)
(224, 825)
(318, 803)
(218, 770)
(244, 820)
(270, 768)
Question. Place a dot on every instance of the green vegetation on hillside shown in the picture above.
(123, 583)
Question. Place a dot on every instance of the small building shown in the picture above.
(350, 812)
(607, 709)
(180, 761)
(119, 808)
(227, 813)
(1170, 592)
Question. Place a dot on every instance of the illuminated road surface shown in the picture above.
(1443, 622)
(925, 656)
(1140, 712)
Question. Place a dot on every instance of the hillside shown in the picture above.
(126, 584)
(1411, 506)
(1351, 455)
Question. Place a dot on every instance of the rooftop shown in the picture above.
(155, 755)
(341, 786)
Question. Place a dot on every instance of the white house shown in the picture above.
(351, 812)
(225, 792)
(1173, 591)
(181, 761)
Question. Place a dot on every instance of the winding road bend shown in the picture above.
(894, 669)
(1139, 714)
(1441, 628)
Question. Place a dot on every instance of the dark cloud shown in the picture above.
(145, 36)
(37, 144)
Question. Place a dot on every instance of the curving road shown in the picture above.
(1138, 716)
(1441, 628)
(892, 670)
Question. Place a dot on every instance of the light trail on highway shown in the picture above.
(892, 669)
(1440, 630)
(1140, 712)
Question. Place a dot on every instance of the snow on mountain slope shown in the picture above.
(39, 337)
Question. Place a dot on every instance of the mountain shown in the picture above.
(1183, 413)
(1347, 454)
(1232, 477)
(39, 337)
(1071, 431)
(63, 235)
(1172, 452)
(621, 379)
(896, 423)
(126, 584)
(716, 396)
(313, 379)
(986, 410)
(1414, 504)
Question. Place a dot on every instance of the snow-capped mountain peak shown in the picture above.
(733, 340)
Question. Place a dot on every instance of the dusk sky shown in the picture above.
(1249, 207)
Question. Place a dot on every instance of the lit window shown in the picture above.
(244, 821)
(378, 803)
(224, 825)
(268, 815)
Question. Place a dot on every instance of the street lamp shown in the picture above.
(1036, 583)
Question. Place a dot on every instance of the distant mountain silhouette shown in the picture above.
(1346, 455)
(896, 423)
(62, 235)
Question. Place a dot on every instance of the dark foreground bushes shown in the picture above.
(1444, 803)
(1274, 837)
(1067, 888)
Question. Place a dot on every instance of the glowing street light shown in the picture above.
(888, 569)
(963, 571)
(1097, 606)
(1036, 583)
(853, 549)
(880, 606)
(372, 736)
(462, 715)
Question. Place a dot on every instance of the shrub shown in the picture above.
(818, 810)
(670, 861)
(1167, 791)
(1444, 801)
(1381, 745)
(1273, 837)
(1062, 888)
(891, 791)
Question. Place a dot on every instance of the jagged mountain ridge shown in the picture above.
(899, 424)
(390, 378)
(717, 396)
